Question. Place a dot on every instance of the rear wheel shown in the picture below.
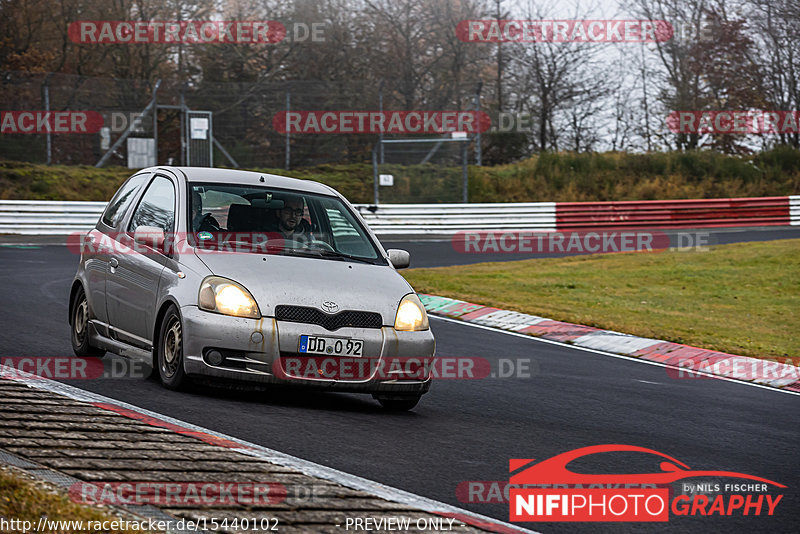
(169, 357)
(398, 404)
(79, 315)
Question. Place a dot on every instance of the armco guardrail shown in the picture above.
(450, 218)
(676, 213)
(53, 218)
(45, 217)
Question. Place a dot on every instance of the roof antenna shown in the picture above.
(261, 179)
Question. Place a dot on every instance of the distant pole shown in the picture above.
(478, 155)
(184, 131)
(375, 174)
(464, 172)
(47, 111)
(380, 109)
(155, 124)
(288, 141)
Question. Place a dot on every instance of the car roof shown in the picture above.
(235, 176)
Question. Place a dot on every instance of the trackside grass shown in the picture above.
(22, 499)
(741, 298)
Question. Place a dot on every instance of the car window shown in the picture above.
(307, 224)
(157, 207)
(346, 233)
(115, 211)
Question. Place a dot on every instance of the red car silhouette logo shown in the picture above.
(554, 470)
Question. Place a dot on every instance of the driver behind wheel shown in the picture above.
(200, 222)
(291, 223)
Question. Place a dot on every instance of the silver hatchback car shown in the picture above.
(247, 276)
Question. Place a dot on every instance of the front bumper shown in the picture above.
(265, 351)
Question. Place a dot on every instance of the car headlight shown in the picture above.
(227, 297)
(411, 314)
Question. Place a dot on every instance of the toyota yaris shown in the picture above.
(248, 276)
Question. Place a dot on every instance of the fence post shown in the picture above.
(478, 155)
(184, 132)
(464, 172)
(375, 171)
(380, 109)
(47, 111)
(288, 140)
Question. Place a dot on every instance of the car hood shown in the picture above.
(277, 279)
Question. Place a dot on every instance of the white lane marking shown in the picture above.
(307, 467)
(618, 356)
(648, 382)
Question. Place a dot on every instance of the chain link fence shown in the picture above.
(243, 115)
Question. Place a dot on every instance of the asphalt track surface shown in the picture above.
(464, 430)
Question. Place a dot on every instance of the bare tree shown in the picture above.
(553, 76)
(777, 36)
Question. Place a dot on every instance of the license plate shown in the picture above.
(331, 346)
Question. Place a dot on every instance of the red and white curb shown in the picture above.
(272, 456)
(683, 358)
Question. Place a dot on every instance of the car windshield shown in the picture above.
(261, 219)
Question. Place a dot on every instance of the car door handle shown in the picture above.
(114, 263)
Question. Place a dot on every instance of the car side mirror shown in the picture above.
(151, 236)
(399, 258)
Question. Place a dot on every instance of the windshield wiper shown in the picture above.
(337, 254)
(321, 253)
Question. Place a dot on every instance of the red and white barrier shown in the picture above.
(36, 217)
(765, 211)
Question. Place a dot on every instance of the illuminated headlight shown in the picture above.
(227, 297)
(411, 314)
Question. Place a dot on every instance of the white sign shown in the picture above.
(141, 152)
(458, 135)
(199, 128)
(105, 138)
(386, 179)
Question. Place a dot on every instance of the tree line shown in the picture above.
(580, 96)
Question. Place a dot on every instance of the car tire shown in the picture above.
(398, 404)
(169, 352)
(79, 328)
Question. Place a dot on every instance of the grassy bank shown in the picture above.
(560, 177)
(740, 298)
(22, 499)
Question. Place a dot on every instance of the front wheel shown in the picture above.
(398, 404)
(169, 353)
(79, 315)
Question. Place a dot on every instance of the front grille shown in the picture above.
(303, 314)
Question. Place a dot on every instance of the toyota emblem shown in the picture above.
(330, 306)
